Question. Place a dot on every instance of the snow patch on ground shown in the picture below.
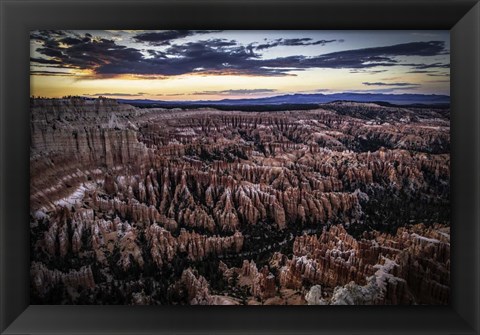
(40, 215)
(74, 197)
(354, 294)
(383, 274)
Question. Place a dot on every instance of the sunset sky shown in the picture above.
(214, 64)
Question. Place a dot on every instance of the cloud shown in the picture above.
(44, 61)
(292, 42)
(51, 73)
(47, 35)
(87, 53)
(169, 94)
(438, 75)
(215, 56)
(116, 94)
(368, 71)
(235, 92)
(389, 84)
(162, 38)
(381, 90)
(432, 48)
(379, 56)
(429, 66)
(166, 37)
(106, 58)
(72, 40)
(419, 71)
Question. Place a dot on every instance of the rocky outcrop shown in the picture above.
(147, 194)
(196, 247)
(44, 279)
(262, 282)
(392, 267)
(330, 259)
(197, 288)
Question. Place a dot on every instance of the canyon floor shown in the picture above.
(344, 204)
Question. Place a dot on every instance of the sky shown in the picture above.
(220, 64)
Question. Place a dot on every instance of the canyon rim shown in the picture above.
(188, 167)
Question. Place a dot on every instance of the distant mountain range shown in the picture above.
(396, 99)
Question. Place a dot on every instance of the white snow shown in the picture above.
(74, 197)
(383, 274)
(423, 238)
(39, 215)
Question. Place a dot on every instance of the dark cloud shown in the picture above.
(377, 56)
(106, 58)
(432, 48)
(430, 73)
(429, 66)
(72, 40)
(239, 91)
(419, 71)
(166, 37)
(292, 42)
(438, 75)
(162, 38)
(206, 57)
(47, 35)
(210, 56)
(156, 53)
(368, 71)
(389, 84)
(198, 48)
(44, 61)
(51, 73)
(51, 52)
(93, 54)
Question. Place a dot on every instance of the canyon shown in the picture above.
(344, 204)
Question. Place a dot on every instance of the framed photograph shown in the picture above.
(172, 161)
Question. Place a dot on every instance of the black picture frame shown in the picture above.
(18, 17)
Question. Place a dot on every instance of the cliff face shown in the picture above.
(74, 141)
(153, 191)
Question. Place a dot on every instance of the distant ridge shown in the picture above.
(395, 99)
